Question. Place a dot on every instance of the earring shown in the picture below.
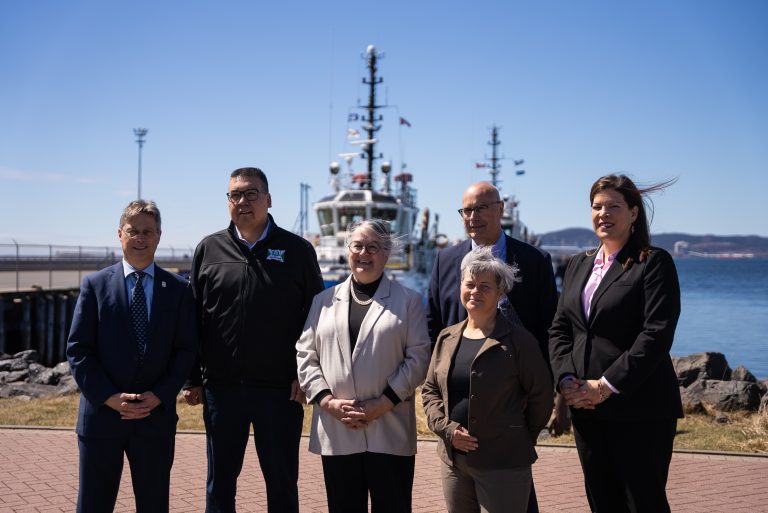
(632, 228)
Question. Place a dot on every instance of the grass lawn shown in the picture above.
(737, 432)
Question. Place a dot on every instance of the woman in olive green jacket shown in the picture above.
(488, 394)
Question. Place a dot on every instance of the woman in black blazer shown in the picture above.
(609, 349)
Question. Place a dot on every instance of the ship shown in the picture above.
(357, 195)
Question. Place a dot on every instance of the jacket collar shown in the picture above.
(341, 317)
(500, 331)
(271, 228)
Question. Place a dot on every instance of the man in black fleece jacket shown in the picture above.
(253, 284)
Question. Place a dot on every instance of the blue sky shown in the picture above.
(655, 89)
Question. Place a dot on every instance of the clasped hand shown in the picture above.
(133, 406)
(581, 393)
(463, 441)
(356, 414)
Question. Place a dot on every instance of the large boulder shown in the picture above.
(699, 366)
(721, 395)
(13, 364)
(67, 386)
(11, 376)
(741, 373)
(62, 369)
(42, 375)
(30, 355)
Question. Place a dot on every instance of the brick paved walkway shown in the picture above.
(38, 473)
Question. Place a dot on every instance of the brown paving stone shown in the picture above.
(38, 473)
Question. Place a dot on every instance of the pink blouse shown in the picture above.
(598, 271)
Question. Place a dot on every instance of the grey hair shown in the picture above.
(379, 227)
(482, 260)
(140, 206)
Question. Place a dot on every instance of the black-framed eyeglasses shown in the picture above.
(248, 194)
(478, 209)
(358, 247)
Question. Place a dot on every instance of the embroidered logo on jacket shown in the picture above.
(276, 254)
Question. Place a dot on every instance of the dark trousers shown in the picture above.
(229, 412)
(625, 464)
(533, 503)
(150, 459)
(388, 478)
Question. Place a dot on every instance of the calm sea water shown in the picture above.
(725, 309)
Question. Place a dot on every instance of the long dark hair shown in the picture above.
(640, 234)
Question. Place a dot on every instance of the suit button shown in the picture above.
(473, 396)
(473, 373)
(473, 420)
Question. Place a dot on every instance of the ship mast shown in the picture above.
(495, 164)
(372, 121)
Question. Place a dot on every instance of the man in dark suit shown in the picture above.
(531, 302)
(131, 346)
(534, 298)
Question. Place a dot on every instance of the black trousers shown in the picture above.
(625, 464)
(229, 412)
(150, 457)
(388, 478)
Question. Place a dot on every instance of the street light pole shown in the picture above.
(140, 133)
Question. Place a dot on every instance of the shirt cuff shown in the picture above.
(392, 396)
(608, 384)
(320, 395)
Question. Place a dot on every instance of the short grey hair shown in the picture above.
(379, 227)
(137, 207)
(482, 260)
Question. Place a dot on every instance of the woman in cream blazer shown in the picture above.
(362, 387)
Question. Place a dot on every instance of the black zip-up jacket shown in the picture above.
(251, 306)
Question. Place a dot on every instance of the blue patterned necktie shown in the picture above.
(139, 314)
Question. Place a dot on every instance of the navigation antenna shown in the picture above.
(494, 162)
(371, 123)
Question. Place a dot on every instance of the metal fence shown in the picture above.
(49, 266)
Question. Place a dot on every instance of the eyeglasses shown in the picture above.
(134, 234)
(358, 247)
(479, 209)
(249, 194)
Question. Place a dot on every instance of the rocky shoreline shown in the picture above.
(22, 377)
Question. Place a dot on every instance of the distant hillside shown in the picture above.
(707, 244)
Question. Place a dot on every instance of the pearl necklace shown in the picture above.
(356, 299)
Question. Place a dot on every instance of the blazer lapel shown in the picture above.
(380, 300)
(119, 293)
(341, 318)
(158, 297)
(462, 312)
(581, 276)
(614, 272)
(501, 329)
(450, 345)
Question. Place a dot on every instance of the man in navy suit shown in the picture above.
(531, 302)
(132, 344)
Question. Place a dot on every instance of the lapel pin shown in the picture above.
(162, 284)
